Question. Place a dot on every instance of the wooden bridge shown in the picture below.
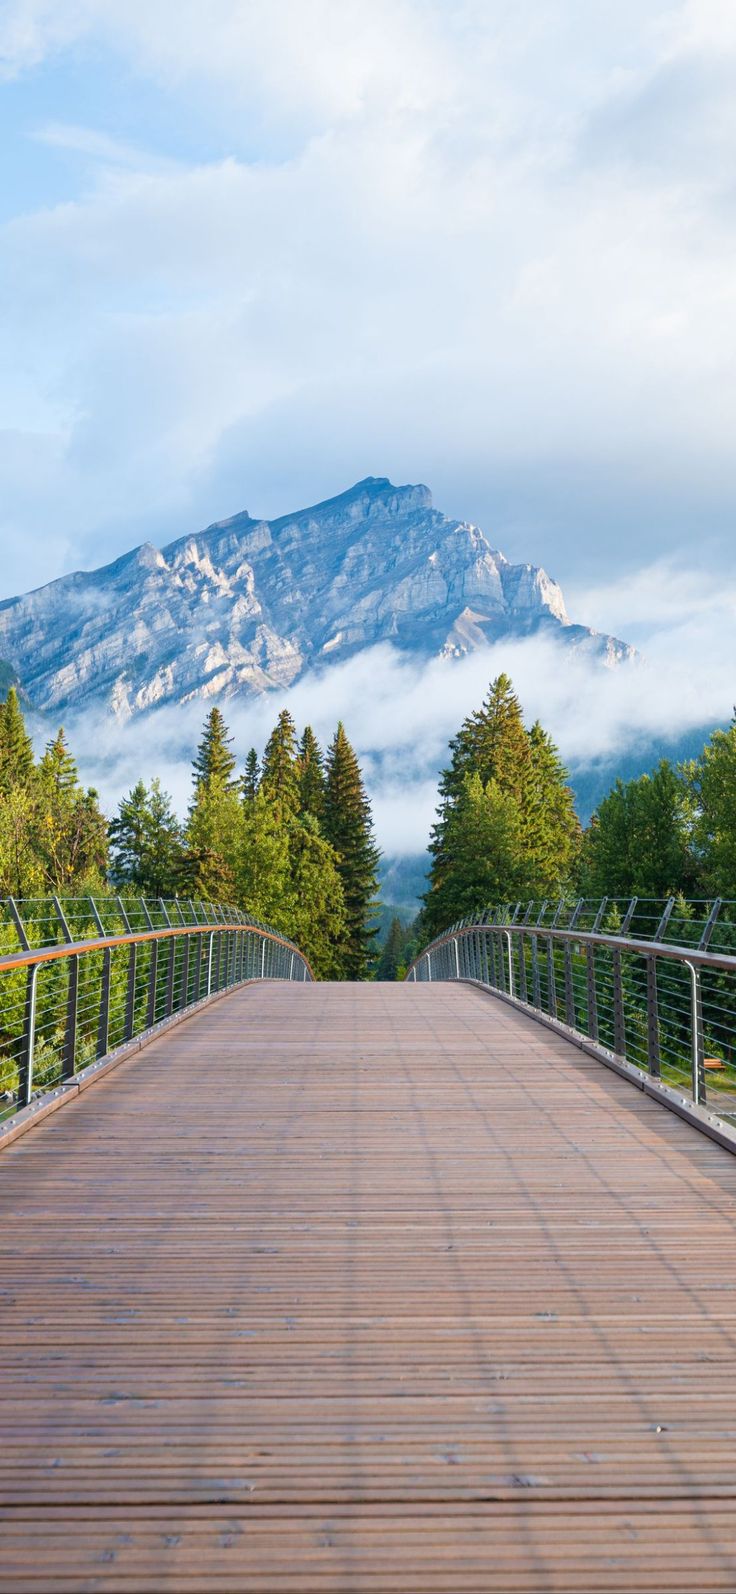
(366, 1288)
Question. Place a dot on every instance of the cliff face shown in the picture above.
(248, 605)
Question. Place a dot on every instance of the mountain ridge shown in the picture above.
(247, 605)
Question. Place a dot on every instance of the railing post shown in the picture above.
(185, 972)
(653, 1045)
(536, 981)
(170, 977)
(509, 942)
(129, 1024)
(263, 958)
(591, 988)
(152, 982)
(103, 1027)
(429, 967)
(619, 1016)
(457, 959)
(25, 1071)
(570, 1016)
(523, 990)
(551, 980)
(70, 1031)
(698, 1048)
(209, 962)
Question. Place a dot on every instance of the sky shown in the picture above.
(254, 251)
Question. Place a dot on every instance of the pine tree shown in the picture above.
(214, 823)
(70, 830)
(280, 776)
(485, 861)
(316, 920)
(147, 842)
(263, 870)
(638, 842)
(348, 826)
(392, 951)
(252, 776)
(711, 781)
(551, 829)
(310, 767)
(214, 760)
(16, 747)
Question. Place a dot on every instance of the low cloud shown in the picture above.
(400, 712)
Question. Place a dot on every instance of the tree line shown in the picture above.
(289, 839)
(506, 826)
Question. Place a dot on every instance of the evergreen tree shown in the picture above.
(638, 842)
(310, 767)
(16, 748)
(214, 760)
(263, 872)
(521, 803)
(485, 860)
(252, 776)
(551, 828)
(348, 826)
(392, 951)
(316, 920)
(280, 776)
(147, 842)
(214, 823)
(70, 830)
(711, 783)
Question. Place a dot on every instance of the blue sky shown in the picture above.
(252, 252)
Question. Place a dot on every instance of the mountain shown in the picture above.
(248, 605)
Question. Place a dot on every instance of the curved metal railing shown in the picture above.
(81, 977)
(666, 1009)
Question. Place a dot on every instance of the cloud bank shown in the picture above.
(400, 712)
(485, 246)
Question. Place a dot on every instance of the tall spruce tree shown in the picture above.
(70, 828)
(348, 826)
(214, 822)
(311, 771)
(16, 747)
(252, 776)
(505, 788)
(214, 761)
(279, 775)
(147, 845)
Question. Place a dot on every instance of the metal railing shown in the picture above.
(663, 1001)
(80, 977)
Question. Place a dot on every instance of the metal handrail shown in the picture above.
(68, 1004)
(669, 1010)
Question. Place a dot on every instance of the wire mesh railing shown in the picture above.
(80, 977)
(651, 983)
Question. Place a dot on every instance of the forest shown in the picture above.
(289, 837)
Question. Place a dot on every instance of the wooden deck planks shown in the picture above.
(366, 1288)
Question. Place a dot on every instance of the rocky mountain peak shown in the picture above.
(248, 605)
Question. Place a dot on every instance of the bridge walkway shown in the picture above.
(366, 1288)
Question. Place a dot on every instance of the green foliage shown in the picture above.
(506, 825)
(214, 761)
(639, 840)
(712, 784)
(147, 843)
(348, 826)
(252, 776)
(396, 951)
(280, 776)
(53, 836)
(311, 773)
(16, 747)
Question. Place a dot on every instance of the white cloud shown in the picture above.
(441, 249)
(400, 713)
